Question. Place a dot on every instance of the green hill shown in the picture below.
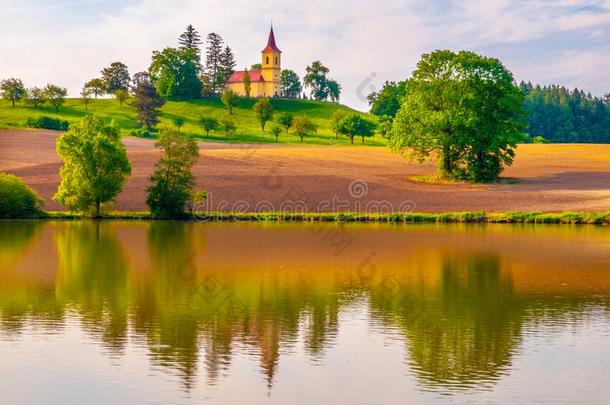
(248, 128)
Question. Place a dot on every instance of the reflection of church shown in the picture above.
(264, 82)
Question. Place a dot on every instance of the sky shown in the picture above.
(363, 43)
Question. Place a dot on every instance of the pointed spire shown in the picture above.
(271, 46)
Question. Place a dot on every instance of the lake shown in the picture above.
(227, 313)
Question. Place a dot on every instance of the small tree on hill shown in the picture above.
(229, 98)
(247, 83)
(116, 77)
(85, 97)
(178, 122)
(337, 116)
(208, 124)
(285, 120)
(303, 126)
(12, 90)
(121, 95)
(35, 97)
(228, 125)
(276, 131)
(172, 180)
(147, 102)
(56, 95)
(291, 84)
(355, 125)
(97, 87)
(264, 111)
(95, 165)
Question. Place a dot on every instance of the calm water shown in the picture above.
(126, 312)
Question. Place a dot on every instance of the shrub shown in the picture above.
(45, 122)
(17, 200)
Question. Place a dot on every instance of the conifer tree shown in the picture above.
(227, 66)
(214, 53)
(190, 39)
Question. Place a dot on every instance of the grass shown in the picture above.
(572, 218)
(248, 128)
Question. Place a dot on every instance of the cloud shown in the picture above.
(363, 43)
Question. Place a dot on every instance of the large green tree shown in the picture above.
(321, 87)
(116, 77)
(95, 165)
(97, 87)
(172, 181)
(12, 89)
(291, 84)
(463, 108)
(174, 72)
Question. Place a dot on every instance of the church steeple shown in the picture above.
(271, 46)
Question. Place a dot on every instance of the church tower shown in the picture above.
(272, 58)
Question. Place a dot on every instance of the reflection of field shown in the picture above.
(550, 177)
(460, 296)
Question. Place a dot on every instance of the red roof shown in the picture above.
(238, 77)
(271, 46)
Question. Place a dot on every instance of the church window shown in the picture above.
(276, 60)
(267, 61)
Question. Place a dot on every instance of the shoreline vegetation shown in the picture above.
(567, 218)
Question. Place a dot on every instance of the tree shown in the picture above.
(303, 126)
(35, 97)
(174, 73)
(355, 125)
(121, 95)
(226, 66)
(214, 52)
(190, 40)
(178, 122)
(85, 96)
(228, 125)
(465, 109)
(264, 111)
(291, 84)
(389, 99)
(116, 77)
(285, 120)
(336, 118)
(55, 95)
(229, 98)
(321, 87)
(146, 102)
(208, 124)
(247, 83)
(384, 128)
(95, 165)
(17, 200)
(97, 87)
(256, 66)
(12, 90)
(172, 181)
(276, 131)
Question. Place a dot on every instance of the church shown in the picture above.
(264, 82)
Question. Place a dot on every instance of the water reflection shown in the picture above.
(461, 299)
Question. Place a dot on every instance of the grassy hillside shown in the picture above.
(248, 128)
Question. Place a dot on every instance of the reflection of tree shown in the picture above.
(93, 278)
(463, 334)
(17, 302)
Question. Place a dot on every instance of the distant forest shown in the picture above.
(562, 115)
(555, 113)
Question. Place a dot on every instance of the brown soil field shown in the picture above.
(550, 178)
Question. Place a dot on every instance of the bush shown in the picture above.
(45, 122)
(17, 200)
